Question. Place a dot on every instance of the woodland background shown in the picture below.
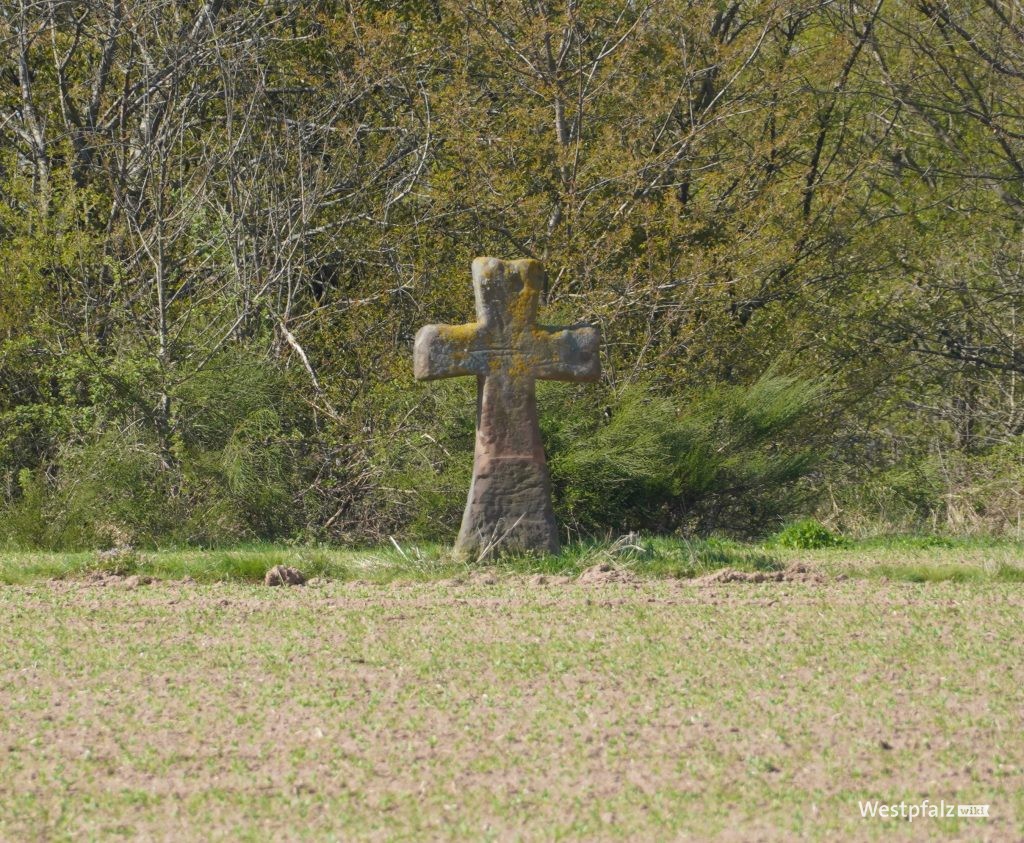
(798, 225)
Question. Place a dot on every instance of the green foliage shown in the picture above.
(905, 541)
(234, 467)
(904, 497)
(942, 573)
(688, 558)
(226, 305)
(726, 459)
(806, 534)
(654, 558)
(258, 464)
(429, 466)
(951, 492)
(649, 557)
(112, 489)
(619, 475)
(23, 522)
(109, 491)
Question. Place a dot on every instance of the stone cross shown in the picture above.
(509, 506)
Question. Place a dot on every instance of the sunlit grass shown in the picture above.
(906, 558)
(657, 557)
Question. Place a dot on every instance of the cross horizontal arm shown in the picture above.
(447, 351)
(570, 355)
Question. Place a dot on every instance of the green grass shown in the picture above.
(658, 557)
(380, 704)
(919, 559)
(226, 711)
(949, 573)
(906, 558)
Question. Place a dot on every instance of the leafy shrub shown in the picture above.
(234, 466)
(259, 464)
(806, 534)
(423, 471)
(23, 523)
(978, 494)
(726, 460)
(245, 458)
(113, 489)
(904, 498)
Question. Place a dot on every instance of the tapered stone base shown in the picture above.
(509, 509)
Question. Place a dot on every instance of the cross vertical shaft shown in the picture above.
(509, 504)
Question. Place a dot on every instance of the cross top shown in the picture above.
(509, 504)
(507, 292)
(506, 337)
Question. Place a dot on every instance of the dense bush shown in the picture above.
(235, 466)
(208, 292)
(806, 534)
(247, 461)
(946, 491)
(727, 459)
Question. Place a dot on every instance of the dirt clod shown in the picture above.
(797, 572)
(545, 580)
(284, 575)
(106, 579)
(730, 575)
(604, 573)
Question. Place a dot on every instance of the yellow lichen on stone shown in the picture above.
(519, 309)
(523, 308)
(531, 271)
(520, 365)
(459, 333)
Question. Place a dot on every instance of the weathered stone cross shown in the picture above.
(509, 504)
